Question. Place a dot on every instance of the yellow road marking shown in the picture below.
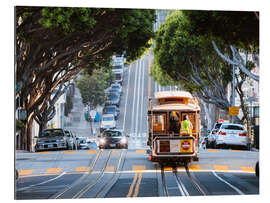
(110, 168)
(195, 167)
(44, 152)
(221, 167)
(92, 151)
(68, 152)
(132, 185)
(54, 170)
(234, 150)
(82, 169)
(136, 192)
(138, 168)
(140, 151)
(167, 168)
(212, 150)
(247, 169)
(25, 172)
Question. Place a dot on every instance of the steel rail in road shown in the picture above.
(197, 186)
(81, 179)
(95, 181)
(104, 190)
(182, 189)
(164, 186)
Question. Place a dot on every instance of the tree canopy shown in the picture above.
(239, 28)
(190, 61)
(53, 45)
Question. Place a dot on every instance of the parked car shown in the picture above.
(82, 143)
(116, 87)
(113, 91)
(230, 134)
(211, 138)
(51, 139)
(118, 77)
(107, 122)
(113, 139)
(112, 109)
(71, 139)
(113, 99)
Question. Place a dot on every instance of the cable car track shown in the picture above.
(182, 189)
(92, 182)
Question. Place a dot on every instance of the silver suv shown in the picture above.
(52, 139)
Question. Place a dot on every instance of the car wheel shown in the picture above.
(215, 146)
(257, 171)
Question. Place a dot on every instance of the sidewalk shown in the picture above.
(78, 125)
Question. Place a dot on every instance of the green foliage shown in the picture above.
(92, 87)
(19, 125)
(176, 49)
(239, 28)
(68, 105)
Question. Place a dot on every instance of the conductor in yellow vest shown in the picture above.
(186, 127)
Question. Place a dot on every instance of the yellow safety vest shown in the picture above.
(186, 127)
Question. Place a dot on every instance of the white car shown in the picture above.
(232, 134)
(107, 122)
(117, 87)
(211, 138)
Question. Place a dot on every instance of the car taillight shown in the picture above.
(242, 134)
(222, 133)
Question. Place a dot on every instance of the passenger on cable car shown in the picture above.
(186, 127)
(174, 122)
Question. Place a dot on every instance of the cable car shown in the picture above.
(165, 113)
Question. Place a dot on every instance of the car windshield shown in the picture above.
(107, 118)
(232, 127)
(115, 87)
(67, 133)
(112, 134)
(118, 76)
(117, 67)
(109, 109)
(217, 125)
(52, 133)
(82, 141)
(113, 96)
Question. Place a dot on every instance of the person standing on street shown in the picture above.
(186, 127)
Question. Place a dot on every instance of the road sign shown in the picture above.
(233, 110)
(93, 114)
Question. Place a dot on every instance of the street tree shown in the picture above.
(190, 61)
(54, 45)
(92, 87)
(239, 30)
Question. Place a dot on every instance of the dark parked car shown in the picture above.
(113, 99)
(113, 139)
(112, 109)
